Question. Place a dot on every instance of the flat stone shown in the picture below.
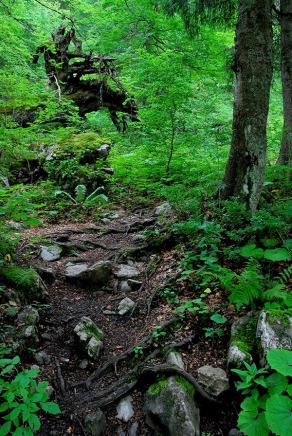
(126, 306)
(97, 274)
(125, 409)
(95, 423)
(274, 330)
(75, 270)
(50, 253)
(174, 358)
(127, 272)
(214, 380)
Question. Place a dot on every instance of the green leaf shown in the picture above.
(34, 422)
(289, 390)
(281, 361)
(51, 407)
(277, 255)
(218, 319)
(5, 428)
(252, 423)
(276, 383)
(279, 415)
(251, 250)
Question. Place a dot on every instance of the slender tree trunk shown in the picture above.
(285, 156)
(253, 66)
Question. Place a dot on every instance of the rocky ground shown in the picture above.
(103, 335)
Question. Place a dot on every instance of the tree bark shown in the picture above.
(253, 65)
(285, 156)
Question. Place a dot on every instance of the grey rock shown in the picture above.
(29, 315)
(97, 274)
(127, 272)
(235, 432)
(47, 274)
(103, 151)
(240, 346)
(274, 330)
(133, 431)
(164, 209)
(125, 287)
(214, 380)
(75, 270)
(89, 337)
(171, 410)
(83, 364)
(174, 358)
(125, 409)
(126, 306)
(42, 358)
(95, 423)
(50, 253)
(50, 391)
(121, 432)
(15, 225)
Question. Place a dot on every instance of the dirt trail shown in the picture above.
(119, 239)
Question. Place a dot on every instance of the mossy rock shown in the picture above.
(78, 159)
(26, 280)
(242, 341)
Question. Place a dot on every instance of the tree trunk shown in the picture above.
(285, 156)
(253, 66)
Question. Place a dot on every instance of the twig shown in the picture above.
(60, 377)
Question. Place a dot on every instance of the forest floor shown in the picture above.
(118, 238)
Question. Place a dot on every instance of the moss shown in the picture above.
(187, 386)
(157, 387)
(274, 316)
(94, 331)
(244, 337)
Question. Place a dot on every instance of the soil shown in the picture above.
(114, 239)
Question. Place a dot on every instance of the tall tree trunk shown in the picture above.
(253, 66)
(285, 156)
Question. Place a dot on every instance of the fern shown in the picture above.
(244, 288)
(80, 193)
(285, 275)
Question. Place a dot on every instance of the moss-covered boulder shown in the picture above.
(242, 341)
(79, 159)
(274, 330)
(89, 337)
(170, 408)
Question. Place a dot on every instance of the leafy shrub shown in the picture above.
(22, 399)
(268, 405)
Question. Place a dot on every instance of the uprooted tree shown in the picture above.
(70, 74)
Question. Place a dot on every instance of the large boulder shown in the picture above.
(89, 337)
(214, 380)
(242, 341)
(170, 408)
(274, 330)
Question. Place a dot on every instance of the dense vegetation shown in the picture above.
(114, 105)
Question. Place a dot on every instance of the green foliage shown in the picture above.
(92, 200)
(268, 405)
(22, 399)
(274, 255)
